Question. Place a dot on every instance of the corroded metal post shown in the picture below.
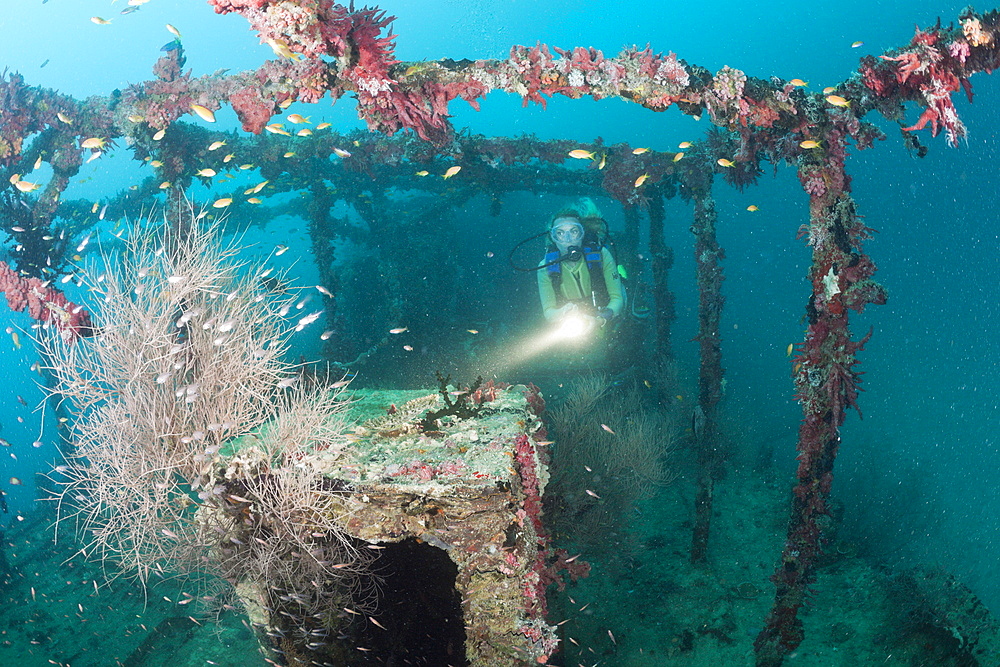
(826, 383)
(708, 256)
(663, 298)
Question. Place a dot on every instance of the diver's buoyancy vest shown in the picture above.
(595, 265)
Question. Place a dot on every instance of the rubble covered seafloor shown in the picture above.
(470, 487)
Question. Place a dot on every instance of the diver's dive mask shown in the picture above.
(567, 234)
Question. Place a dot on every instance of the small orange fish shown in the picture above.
(798, 82)
(422, 172)
(99, 21)
(254, 200)
(222, 203)
(25, 186)
(280, 48)
(159, 135)
(809, 143)
(298, 119)
(341, 153)
(725, 162)
(753, 208)
(791, 347)
(581, 154)
(639, 151)
(473, 331)
(678, 157)
(838, 101)
(216, 145)
(452, 171)
(828, 90)
(323, 126)
(684, 145)
(93, 142)
(642, 179)
(207, 173)
(203, 112)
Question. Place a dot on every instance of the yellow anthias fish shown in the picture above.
(285, 103)
(25, 186)
(280, 48)
(93, 209)
(64, 118)
(246, 167)
(159, 135)
(290, 154)
(174, 31)
(16, 339)
(678, 157)
(752, 208)
(207, 173)
(323, 126)
(275, 128)
(639, 151)
(684, 144)
(93, 142)
(423, 172)
(204, 113)
(798, 82)
(99, 21)
(156, 163)
(254, 200)
(809, 143)
(304, 132)
(603, 162)
(838, 101)
(341, 153)
(581, 154)
(38, 163)
(791, 348)
(216, 145)
(135, 118)
(298, 119)
(229, 157)
(642, 179)
(725, 162)
(828, 90)
(164, 185)
(222, 203)
(257, 188)
(452, 171)
(855, 45)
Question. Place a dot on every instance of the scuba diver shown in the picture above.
(579, 274)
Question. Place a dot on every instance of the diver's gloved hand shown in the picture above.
(606, 314)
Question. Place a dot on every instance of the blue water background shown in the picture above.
(927, 447)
